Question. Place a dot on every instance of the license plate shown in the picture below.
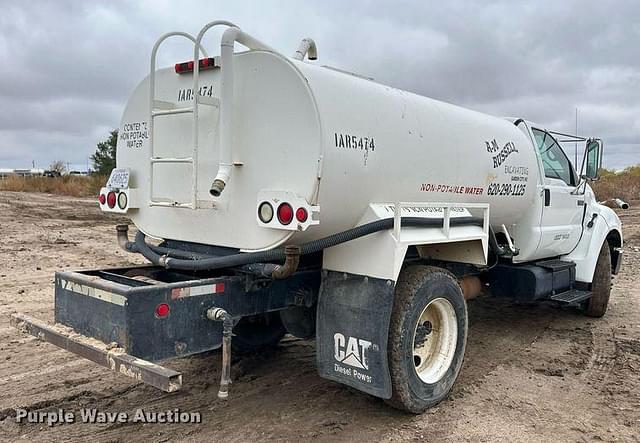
(119, 178)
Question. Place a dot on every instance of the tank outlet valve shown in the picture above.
(292, 260)
(123, 238)
(217, 187)
(219, 314)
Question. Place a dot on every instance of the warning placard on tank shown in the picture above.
(133, 134)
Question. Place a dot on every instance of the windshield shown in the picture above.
(555, 162)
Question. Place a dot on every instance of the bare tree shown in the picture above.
(58, 167)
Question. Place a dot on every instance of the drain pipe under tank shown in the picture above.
(307, 46)
(225, 164)
(219, 314)
(123, 238)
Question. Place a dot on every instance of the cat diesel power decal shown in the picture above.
(351, 351)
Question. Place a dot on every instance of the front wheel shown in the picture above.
(427, 337)
(597, 305)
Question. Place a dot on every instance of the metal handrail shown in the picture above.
(398, 206)
(152, 96)
(230, 36)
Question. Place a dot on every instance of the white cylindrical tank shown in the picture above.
(338, 140)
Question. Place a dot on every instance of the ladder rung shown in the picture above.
(211, 101)
(157, 112)
(171, 160)
(164, 105)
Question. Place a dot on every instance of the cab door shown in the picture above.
(563, 208)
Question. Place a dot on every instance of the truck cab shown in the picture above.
(566, 204)
(562, 239)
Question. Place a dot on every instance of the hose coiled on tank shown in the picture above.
(160, 256)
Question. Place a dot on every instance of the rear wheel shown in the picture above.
(257, 332)
(597, 305)
(427, 337)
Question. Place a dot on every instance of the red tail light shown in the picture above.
(102, 199)
(205, 63)
(111, 199)
(302, 215)
(285, 213)
(162, 310)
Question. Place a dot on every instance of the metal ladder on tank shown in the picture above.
(159, 108)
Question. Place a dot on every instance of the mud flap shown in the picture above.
(352, 331)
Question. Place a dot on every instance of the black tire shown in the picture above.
(597, 305)
(257, 332)
(416, 288)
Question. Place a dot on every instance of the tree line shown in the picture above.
(104, 159)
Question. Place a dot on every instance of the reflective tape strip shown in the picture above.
(197, 290)
(100, 294)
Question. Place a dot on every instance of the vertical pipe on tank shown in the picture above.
(196, 95)
(307, 46)
(225, 164)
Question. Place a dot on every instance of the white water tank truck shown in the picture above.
(272, 195)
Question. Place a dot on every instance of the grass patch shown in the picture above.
(72, 185)
(624, 185)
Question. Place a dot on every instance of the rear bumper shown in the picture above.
(110, 316)
(117, 307)
(113, 358)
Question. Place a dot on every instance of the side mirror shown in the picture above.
(592, 159)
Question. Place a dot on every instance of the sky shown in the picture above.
(68, 66)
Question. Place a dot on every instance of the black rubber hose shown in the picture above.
(277, 255)
(189, 255)
(132, 246)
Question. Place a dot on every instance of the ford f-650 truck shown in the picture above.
(275, 195)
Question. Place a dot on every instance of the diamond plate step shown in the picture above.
(571, 296)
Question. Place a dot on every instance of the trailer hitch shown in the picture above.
(219, 314)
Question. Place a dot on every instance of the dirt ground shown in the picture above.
(531, 373)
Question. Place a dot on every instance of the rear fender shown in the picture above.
(382, 254)
(358, 284)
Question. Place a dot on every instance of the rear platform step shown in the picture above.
(115, 359)
(571, 297)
